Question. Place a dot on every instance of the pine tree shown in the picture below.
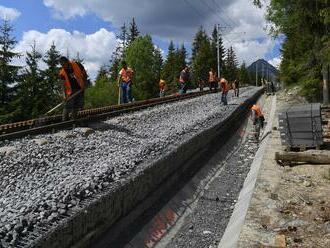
(145, 81)
(306, 48)
(30, 98)
(170, 73)
(119, 54)
(181, 57)
(114, 69)
(123, 36)
(214, 47)
(201, 56)
(157, 64)
(102, 73)
(8, 72)
(53, 90)
(133, 32)
(231, 65)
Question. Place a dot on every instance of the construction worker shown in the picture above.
(212, 79)
(257, 115)
(184, 79)
(236, 88)
(129, 74)
(224, 88)
(162, 88)
(123, 83)
(74, 78)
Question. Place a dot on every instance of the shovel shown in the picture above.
(62, 103)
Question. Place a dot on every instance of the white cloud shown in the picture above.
(275, 62)
(179, 20)
(95, 49)
(9, 13)
(250, 51)
(165, 18)
(249, 38)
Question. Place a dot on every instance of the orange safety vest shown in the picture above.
(212, 76)
(224, 85)
(257, 109)
(124, 77)
(162, 85)
(79, 75)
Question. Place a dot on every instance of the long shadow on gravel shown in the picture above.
(103, 126)
(150, 227)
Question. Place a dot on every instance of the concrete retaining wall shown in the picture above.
(84, 227)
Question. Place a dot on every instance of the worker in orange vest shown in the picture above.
(184, 79)
(123, 84)
(257, 115)
(225, 88)
(130, 74)
(74, 78)
(212, 79)
(162, 88)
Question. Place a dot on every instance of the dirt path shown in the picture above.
(291, 205)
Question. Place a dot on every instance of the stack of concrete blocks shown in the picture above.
(301, 126)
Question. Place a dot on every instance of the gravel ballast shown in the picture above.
(206, 223)
(42, 182)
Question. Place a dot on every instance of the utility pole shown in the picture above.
(218, 50)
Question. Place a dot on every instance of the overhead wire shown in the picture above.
(216, 13)
(193, 7)
(230, 41)
(224, 13)
(204, 16)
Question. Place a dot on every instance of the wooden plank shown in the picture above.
(310, 156)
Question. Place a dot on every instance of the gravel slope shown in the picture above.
(205, 225)
(40, 183)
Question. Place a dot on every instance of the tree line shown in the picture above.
(306, 46)
(146, 59)
(29, 91)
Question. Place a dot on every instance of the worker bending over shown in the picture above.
(224, 88)
(257, 116)
(74, 78)
(162, 88)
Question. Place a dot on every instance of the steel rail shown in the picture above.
(52, 123)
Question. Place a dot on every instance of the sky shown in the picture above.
(89, 27)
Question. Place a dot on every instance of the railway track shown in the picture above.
(52, 123)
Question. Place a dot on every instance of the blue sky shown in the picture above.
(35, 15)
(97, 22)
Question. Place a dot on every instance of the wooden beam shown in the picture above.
(310, 156)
